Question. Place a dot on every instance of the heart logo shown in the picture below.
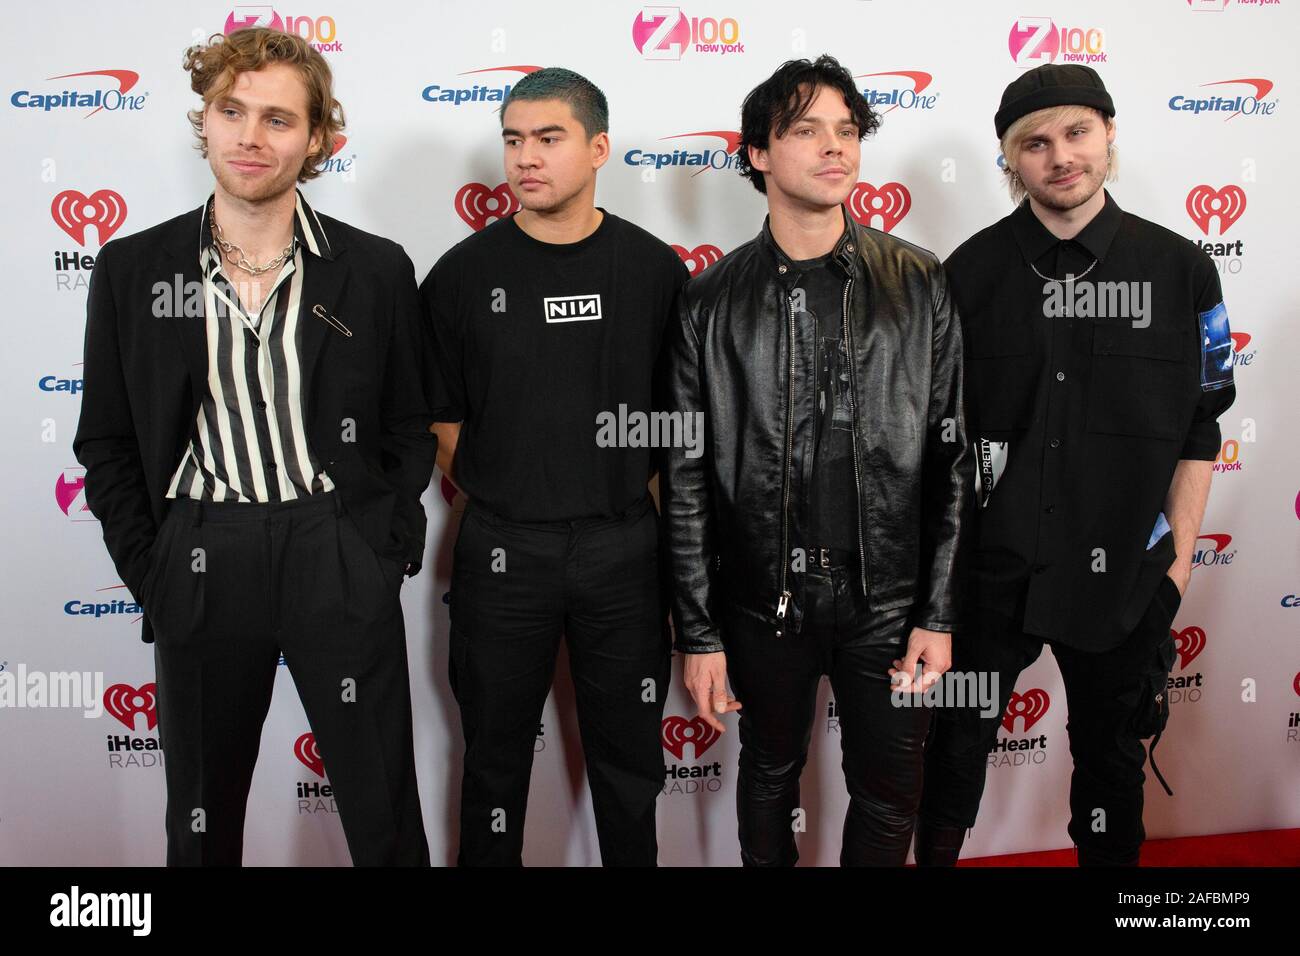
(699, 258)
(124, 701)
(1190, 641)
(304, 748)
(676, 732)
(891, 202)
(73, 211)
(1204, 202)
(477, 204)
(1031, 705)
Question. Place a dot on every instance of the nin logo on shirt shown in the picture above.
(572, 308)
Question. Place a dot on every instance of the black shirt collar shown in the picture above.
(1035, 241)
(841, 257)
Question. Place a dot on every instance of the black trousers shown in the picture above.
(230, 587)
(1102, 693)
(776, 681)
(516, 588)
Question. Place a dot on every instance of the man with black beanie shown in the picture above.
(1097, 363)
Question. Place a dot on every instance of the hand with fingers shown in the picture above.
(933, 649)
(706, 679)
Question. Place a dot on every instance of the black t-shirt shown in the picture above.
(832, 496)
(1082, 397)
(546, 352)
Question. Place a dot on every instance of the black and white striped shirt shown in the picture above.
(250, 437)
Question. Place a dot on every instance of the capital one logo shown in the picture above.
(103, 98)
(719, 157)
(676, 732)
(1240, 342)
(899, 96)
(70, 493)
(1034, 41)
(1029, 706)
(1216, 554)
(698, 259)
(665, 33)
(477, 203)
(1189, 642)
(1247, 97)
(308, 754)
(1205, 203)
(124, 702)
(73, 211)
(888, 204)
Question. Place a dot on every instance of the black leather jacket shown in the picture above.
(735, 513)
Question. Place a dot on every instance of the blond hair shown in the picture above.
(1029, 124)
(213, 69)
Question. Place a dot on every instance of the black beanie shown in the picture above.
(1051, 85)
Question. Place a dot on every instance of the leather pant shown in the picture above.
(776, 679)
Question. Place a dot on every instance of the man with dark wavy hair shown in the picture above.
(818, 532)
(255, 437)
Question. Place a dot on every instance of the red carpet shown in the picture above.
(1261, 848)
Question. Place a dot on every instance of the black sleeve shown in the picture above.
(948, 472)
(106, 444)
(409, 448)
(688, 504)
(445, 378)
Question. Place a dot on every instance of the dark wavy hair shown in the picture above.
(773, 106)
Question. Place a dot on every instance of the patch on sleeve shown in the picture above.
(1216, 349)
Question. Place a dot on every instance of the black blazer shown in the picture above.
(144, 376)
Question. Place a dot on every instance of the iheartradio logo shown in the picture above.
(124, 701)
(1189, 642)
(891, 202)
(477, 204)
(1031, 706)
(308, 754)
(676, 732)
(73, 211)
(699, 258)
(1205, 202)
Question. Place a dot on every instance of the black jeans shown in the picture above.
(231, 586)
(516, 589)
(1102, 693)
(776, 680)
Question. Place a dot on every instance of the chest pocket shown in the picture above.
(1001, 380)
(1140, 382)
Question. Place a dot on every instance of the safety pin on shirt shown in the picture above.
(320, 313)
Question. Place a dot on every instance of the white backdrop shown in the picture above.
(68, 797)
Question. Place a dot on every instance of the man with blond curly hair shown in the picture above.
(255, 442)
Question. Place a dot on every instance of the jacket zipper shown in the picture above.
(853, 405)
(783, 603)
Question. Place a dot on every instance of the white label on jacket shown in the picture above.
(991, 459)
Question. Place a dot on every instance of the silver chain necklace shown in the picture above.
(242, 261)
(1069, 278)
